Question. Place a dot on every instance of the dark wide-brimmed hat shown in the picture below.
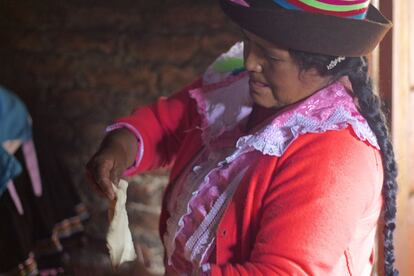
(330, 27)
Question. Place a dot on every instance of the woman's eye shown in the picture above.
(273, 58)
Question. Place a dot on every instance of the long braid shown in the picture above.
(356, 68)
(371, 109)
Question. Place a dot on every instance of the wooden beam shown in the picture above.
(401, 125)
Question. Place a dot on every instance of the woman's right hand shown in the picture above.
(116, 153)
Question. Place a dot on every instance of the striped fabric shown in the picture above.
(344, 8)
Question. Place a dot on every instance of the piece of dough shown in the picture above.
(119, 239)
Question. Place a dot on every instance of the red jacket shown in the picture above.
(312, 211)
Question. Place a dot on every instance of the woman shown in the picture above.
(37, 207)
(278, 168)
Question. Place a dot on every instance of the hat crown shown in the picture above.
(344, 8)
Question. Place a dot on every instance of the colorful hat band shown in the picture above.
(344, 8)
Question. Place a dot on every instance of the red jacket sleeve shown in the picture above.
(162, 126)
(323, 187)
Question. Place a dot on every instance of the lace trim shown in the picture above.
(274, 140)
(201, 240)
(184, 193)
(202, 196)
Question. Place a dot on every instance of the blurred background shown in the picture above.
(79, 64)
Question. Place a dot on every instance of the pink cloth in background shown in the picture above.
(30, 158)
(15, 197)
(240, 2)
(32, 166)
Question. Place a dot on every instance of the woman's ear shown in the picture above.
(309, 75)
(312, 78)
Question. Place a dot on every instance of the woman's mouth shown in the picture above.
(257, 85)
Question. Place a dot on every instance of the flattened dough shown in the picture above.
(119, 239)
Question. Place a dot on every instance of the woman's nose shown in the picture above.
(252, 61)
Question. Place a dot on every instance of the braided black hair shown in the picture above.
(370, 106)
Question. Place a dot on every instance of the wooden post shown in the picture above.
(396, 61)
(401, 125)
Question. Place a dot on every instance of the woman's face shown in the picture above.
(275, 78)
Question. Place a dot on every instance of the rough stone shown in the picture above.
(79, 64)
(163, 49)
(86, 42)
(173, 78)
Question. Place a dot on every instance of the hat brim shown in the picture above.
(312, 32)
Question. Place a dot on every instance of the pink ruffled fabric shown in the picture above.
(331, 108)
(199, 206)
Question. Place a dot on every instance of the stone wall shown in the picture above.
(79, 64)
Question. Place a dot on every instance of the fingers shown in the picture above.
(94, 185)
(106, 166)
(98, 172)
(116, 173)
(104, 181)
